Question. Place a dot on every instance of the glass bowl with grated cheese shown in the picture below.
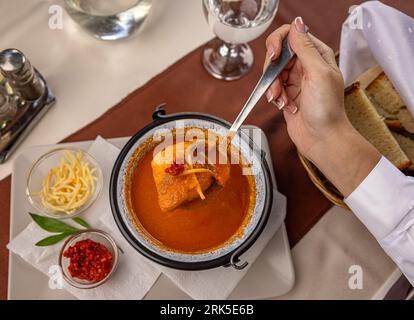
(64, 182)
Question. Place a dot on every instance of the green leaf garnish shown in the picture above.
(81, 222)
(53, 225)
(53, 239)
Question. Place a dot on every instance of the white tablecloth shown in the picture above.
(89, 76)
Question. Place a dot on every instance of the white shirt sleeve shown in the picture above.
(384, 202)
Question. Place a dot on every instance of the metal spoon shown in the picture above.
(272, 72)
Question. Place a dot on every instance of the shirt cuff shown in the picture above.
(383, 199)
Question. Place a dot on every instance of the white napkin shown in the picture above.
(136, 274)
(375, 33)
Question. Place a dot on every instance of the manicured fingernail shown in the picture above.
(269, 96)
(270, 52)
(279, 103)
(300, 25)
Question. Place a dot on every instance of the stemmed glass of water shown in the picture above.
(234, 22)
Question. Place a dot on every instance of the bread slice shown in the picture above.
(368, 122)
(407, 145)
(391, 120)
(384, 96)
(407, 121)
(384, 113)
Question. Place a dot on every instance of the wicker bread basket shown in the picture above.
(322, 183)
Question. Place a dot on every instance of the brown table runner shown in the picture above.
(186, 86)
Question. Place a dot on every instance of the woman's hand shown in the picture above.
(310, 91)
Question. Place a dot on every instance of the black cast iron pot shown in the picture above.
(227, 255)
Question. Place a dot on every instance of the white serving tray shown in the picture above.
(267, 278)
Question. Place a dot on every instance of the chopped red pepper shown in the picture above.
(89, 260)
(175, 169)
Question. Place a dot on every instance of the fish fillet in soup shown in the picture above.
(179, 181)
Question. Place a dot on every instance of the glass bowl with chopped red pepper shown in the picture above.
(88, 258)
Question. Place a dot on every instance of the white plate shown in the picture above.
(271, 275)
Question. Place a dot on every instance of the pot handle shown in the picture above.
(235, 260)
(159, 112)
